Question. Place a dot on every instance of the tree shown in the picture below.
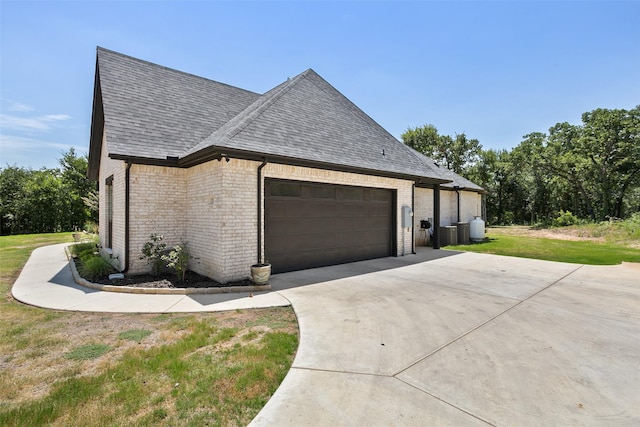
(12, 181)
(456, 154)
(610, 145)
(46, 200)
(77, 186)
(591, 169)
(41, 207)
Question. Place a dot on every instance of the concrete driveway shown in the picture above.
(437, 338)
(467, 339)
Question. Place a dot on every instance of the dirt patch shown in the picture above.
(546, 233)
(29, 370)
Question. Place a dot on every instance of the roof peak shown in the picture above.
(164, 67)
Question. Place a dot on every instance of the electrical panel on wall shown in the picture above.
(407, 217)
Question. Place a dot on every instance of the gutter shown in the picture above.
(216, 153)
(259, 220)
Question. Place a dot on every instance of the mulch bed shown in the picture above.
(191, 280)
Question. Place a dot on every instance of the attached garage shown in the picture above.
(311, 225)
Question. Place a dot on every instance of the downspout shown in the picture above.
(259, 200)
(457, 190)
(127, 175)
(436, 216)
(413, 209)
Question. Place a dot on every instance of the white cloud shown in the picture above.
(31, 152)
(11, 142)
(22, 123)
(34, 123)
(56, 117)
(17, 106)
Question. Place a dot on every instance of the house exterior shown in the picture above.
(298, 176)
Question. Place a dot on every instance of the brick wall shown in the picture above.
(158, 205)
(213, 207)
(222, 218)
(204, 231)
(222, 211)
(115, 168)
(470, 206)
(403, 190)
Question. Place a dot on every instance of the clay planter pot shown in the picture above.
(260, 273)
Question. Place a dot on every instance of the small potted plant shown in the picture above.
(260, 273)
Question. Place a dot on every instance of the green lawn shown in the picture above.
(15, 250)
(77, 369)
(579, 252)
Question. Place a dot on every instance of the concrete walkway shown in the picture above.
(46, 281)
(438, 338)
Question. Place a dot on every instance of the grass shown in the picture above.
(136, 335)
(64, 368)
(579, 252)
(15, 251)
(89, 351)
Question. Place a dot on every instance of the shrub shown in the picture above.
(152, 252)
(95, 267)
(632, 226)
(178, 259)
(83, 250)
(564, 219)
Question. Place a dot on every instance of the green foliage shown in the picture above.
(89, 351)
(591, 169)
(178, 259)
(46, 200)
(84, 250)
(579, 252)
(136, 335)
(564, 219)
(95, 267)
(455, 154)
(152, 252)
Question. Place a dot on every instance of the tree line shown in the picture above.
(47, 200)
(591, 170)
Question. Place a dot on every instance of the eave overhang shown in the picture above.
(219, 153)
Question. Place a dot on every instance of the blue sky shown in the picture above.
(494, 70)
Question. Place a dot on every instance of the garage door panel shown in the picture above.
(311, 225)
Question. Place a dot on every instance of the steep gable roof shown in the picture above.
(150, 111)
(153, 114)
(306, 118)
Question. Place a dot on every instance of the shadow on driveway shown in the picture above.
(294, 279)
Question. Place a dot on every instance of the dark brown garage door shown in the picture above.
(311, 225)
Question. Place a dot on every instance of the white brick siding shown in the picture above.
(115, 168)
(213, 207)
(157, 204)
(402, 187)
(470, 206)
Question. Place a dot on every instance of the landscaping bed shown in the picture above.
(165, 281)
(97, 270)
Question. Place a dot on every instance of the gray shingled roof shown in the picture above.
(306, 118)
(456, 180)
(152, 113)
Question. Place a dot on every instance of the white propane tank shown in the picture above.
(476, 232)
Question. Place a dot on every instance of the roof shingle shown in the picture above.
(154, 112)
